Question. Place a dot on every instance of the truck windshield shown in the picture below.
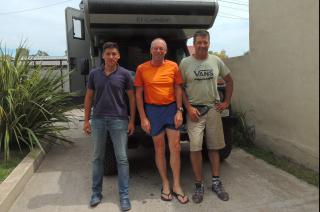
(135, 54)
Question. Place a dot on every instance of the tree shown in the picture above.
(41, 53)
(24, 52)
(246, 53)
(222, 54)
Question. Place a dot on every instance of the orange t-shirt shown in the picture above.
(158, 82)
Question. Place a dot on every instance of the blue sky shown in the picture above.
(42, 24)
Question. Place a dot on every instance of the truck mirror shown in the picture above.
(83, 66)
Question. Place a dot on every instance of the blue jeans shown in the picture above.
(118, 131)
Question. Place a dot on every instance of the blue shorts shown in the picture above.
(161, 117)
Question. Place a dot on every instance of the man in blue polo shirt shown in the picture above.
(109, 85)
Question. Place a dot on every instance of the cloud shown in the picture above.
(45, 28)
(231, 36)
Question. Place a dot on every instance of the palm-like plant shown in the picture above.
(243, 134)
(32, 104)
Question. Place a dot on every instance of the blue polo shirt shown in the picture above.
(110, 92)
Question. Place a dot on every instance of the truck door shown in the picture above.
(78, 49)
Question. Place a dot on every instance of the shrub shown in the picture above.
(32, 104)
(243, 134)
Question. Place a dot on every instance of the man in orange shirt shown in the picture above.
(160, 81)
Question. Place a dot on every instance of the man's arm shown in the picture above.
(178, 94)
(87, 111)
(132, 106)
(178, 119)
(229, 90)
(193, 112)
(145, 124)
(185, 100)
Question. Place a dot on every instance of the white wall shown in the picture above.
(279, 79)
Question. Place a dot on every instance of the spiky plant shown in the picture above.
(243, 134)
(32, 104)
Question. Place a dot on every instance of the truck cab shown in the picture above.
(133, 25)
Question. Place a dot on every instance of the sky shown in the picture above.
(41, 24)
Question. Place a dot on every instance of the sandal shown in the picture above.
(168, 196)
(182, 196)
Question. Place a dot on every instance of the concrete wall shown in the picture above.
(279, 78)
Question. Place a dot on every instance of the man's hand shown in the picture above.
(145, 124)
(87, 128)
(178, 119)
(221, 106)
(193, 114)
(130, 128)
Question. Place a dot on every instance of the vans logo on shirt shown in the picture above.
(206, 74)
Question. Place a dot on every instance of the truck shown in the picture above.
(133, 24)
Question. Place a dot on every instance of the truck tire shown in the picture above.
(110, 163)
(225, 152)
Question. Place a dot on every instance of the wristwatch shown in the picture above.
(180, 109)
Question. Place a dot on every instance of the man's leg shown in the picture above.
(195, 132)
(217, 186)
(119, 136)
(196, 161)
(214, 157)
(160, 148)
(215, 141)
(99, 134)
(175, 149)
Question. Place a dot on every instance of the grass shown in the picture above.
(305, 174)
(7, 167)
(243, 136)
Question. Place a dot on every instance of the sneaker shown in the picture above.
(95, 200)
(125, 204)
(197, 197)
(219, 190)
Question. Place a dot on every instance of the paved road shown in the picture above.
(62, 183)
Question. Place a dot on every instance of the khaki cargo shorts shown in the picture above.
(212, 122)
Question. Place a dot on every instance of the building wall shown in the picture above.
(279, 79)
(57, 63)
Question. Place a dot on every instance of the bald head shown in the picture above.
(158, 50)
(158, 41)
